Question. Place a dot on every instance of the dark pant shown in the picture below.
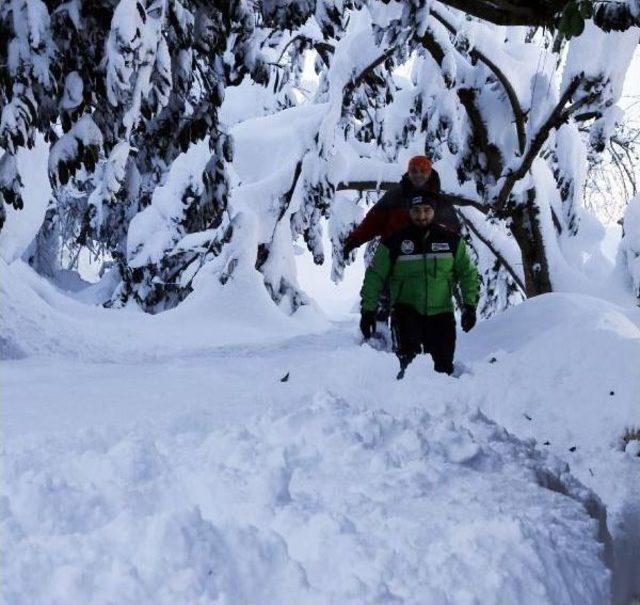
(414, 333)
(384, 303)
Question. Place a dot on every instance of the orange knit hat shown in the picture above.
(421, 162)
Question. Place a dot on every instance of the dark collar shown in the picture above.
(418, 232)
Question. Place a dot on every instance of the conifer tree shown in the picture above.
(121, 89)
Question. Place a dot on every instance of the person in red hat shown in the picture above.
(391, 212)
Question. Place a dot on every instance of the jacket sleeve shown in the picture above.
(372, 225)
(374, 278)
(466, 274)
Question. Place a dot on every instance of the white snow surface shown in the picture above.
(162, 459)
(38, 319)
(328, 503)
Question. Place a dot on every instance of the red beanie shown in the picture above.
(420, 161)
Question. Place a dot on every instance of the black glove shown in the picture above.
(367, 323)
(349, 246)
(468, 319)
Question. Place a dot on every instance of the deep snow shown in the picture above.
(223, 452)
(162, 459)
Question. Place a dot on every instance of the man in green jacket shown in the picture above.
(422, 262)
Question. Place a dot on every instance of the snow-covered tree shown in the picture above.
(629, 250)
(503, 118)
(499, 118)
(120, 89)
(124, 89)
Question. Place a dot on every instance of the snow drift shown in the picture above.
(37, 319)
(328, 504)
(375, 491)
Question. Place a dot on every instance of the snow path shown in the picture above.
(227, 382)
(203, 478)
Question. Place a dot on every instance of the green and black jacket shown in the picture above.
(422, 268)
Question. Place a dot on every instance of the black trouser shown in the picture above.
(384, 303)
(414, 333)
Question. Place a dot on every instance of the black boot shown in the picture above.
(404, 360)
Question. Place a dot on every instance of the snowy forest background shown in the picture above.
(189, 414)
(184, 140)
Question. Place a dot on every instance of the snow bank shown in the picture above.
(37, 319)
(563, 369)
(569, 362)
(328, 504)
(317, 502)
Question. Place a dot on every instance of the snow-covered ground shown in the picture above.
(200, 456)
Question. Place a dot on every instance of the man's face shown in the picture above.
(418, 175)
(421, 215)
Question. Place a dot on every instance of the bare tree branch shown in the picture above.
(618, 162)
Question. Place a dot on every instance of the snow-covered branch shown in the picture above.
(478, 55)
(558, 115)
(440, 196)
(489, 243)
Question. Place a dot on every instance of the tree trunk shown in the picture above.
(525, 226)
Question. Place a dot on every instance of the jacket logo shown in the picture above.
(439, 247)
(407, 246)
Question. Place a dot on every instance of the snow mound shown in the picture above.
(566, 361)
(563, 369)
(38, 319)
(326, 504)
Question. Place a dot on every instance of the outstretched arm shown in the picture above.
(373, 225)
(370, 227)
